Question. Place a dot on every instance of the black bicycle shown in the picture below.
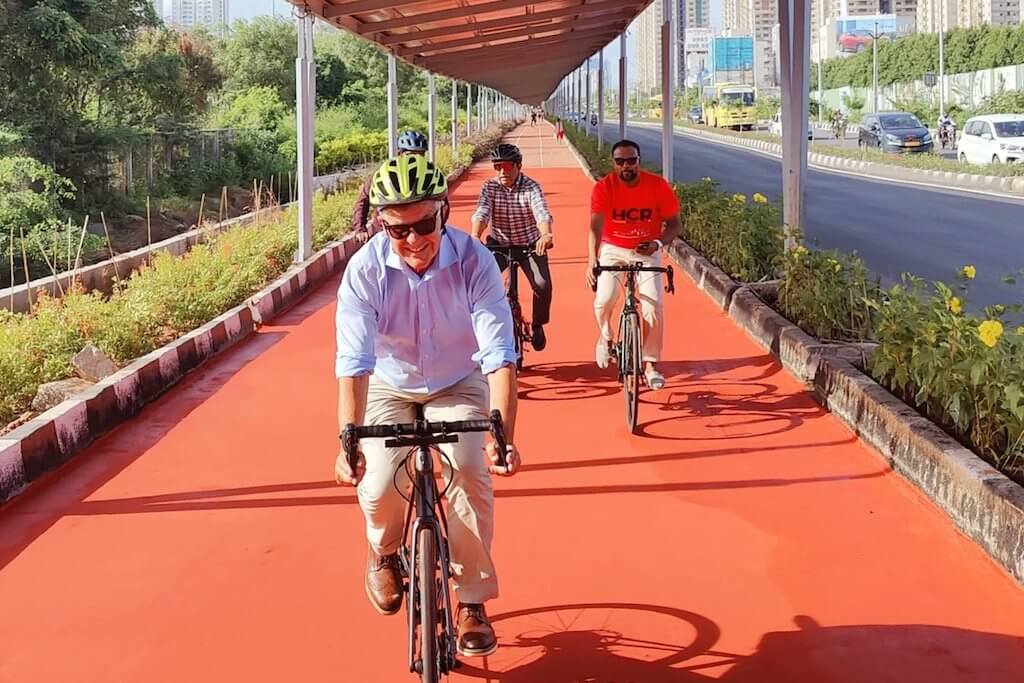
(628, 347)
(424, 557)
(521, 327)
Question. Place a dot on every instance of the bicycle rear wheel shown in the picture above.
(426, 576)
(629, 340)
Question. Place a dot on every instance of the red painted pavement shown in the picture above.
(745, 536)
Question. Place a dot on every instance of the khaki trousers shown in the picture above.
(648, 294)
(470, 508)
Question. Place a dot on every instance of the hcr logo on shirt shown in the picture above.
(632, 215)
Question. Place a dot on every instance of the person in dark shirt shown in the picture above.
(409, 142)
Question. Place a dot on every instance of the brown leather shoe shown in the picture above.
(476, 635)
(384, 582)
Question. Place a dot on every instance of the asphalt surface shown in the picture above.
(894, 227)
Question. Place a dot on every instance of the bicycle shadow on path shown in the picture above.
(636, 643)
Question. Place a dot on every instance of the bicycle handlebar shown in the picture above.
(424, 431)
(513, 251)
(636, 268)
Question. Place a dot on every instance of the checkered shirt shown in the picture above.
(513, 212)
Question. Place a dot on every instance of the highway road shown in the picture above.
(895, 227)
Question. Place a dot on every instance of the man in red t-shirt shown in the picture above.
(633, 214)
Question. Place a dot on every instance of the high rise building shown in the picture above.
(972, 13)
(187, 14)
(935, 14)
(690, 15)
(648, 42)
(737, 18)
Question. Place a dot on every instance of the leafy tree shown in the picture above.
(259, 53)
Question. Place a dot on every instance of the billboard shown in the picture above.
(731, 59)
(854, 34)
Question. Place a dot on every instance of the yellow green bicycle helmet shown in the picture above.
(406, 179)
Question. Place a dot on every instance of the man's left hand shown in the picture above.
(512, 460)
(543, 244)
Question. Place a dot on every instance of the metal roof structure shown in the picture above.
(522, 48)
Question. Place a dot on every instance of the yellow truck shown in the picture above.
(729, 105)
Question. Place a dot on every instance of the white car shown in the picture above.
(775, 128)
(993, 139)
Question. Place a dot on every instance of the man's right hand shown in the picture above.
(591, 278)
(343, 473)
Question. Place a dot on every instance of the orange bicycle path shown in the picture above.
(744, 536)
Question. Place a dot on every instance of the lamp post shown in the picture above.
(874, 70)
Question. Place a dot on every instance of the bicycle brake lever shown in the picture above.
(350, 444)
(498, 432)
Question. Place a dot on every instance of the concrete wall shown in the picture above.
(965, 90)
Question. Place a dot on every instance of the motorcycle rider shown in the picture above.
(947, 128)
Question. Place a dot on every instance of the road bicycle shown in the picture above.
(521, 327)
(423, 556)
(628, 347)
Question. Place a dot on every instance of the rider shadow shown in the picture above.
(812, 653)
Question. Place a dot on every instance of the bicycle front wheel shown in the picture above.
(426, 569)
(629, 337)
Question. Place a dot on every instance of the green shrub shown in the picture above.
(353, 149)
(743, 238)
(962, 371)
(828, 293)
(157, 304)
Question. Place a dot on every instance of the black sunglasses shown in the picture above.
(619, 161)
(422, 227)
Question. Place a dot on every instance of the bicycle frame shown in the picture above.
(425, 511)
(520, 325)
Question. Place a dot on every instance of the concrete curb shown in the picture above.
(54, 437)
(982, 502)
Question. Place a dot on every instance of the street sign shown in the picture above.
(930, 80)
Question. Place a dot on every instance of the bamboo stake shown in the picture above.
(24, 261)
(110, 246)
(149, 234)
(78, 256)
(12, 268)
(69, 244)
(202, 207)
(56, 280)
(224, 211)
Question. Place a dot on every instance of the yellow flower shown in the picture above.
(798, 252)
(706, 179)
(989, 332)
(954, 304)
(970, 272)
(1020, 330)
(760, 198)
(739, 198)
(839, 267)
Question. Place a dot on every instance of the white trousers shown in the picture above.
(470, 504)
(648, 293)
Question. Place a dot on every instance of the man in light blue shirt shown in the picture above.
(422, 319)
